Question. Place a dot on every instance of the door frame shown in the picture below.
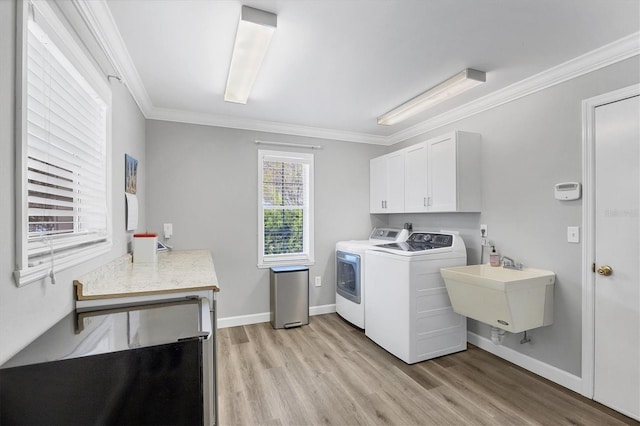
(589, 226)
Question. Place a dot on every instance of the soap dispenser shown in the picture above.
(494, 257)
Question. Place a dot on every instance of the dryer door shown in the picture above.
(348, 276)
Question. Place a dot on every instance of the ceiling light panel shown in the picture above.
(255, 30)
(461, 82)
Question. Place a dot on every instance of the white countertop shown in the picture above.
(175, 272)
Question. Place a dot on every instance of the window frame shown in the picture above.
(307, 256)
(74, 52)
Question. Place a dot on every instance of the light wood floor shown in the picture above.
(329, 372)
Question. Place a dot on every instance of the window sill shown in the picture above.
(293, 262)
(32, 274)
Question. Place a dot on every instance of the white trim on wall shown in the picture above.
(180, 116)
(540, 368)
(266, 316)
(98, 18)
(606, 55)
(589, 225)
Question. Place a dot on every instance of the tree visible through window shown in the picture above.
(285, 205)
(283, 201)
(50, 199)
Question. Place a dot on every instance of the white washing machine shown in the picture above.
(350, 280)
(407, 306)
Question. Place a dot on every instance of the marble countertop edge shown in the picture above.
(175, 271)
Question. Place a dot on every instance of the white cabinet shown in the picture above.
(439, 175)
(442, 169)
(416, 190)
(377, 184)
(455, 173)
(386, 187)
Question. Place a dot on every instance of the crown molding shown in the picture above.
(206, 119)
(98, 18)
(609, 54)
(100, 22)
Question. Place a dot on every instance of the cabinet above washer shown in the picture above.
(386, 185)
(442, 174)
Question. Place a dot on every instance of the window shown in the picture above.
(285, 219)
(62, 148)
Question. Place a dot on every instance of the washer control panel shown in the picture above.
(422, 241)
(389, 234)
(431, 240)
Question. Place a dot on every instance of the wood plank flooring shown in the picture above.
(329, 372)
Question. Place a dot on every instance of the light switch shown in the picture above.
(573, 234)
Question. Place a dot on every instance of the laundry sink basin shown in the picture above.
(514, 300)
(499, 278)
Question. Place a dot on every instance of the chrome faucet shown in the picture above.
(509, 263)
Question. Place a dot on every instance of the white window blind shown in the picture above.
(286, 213)
(64, 160)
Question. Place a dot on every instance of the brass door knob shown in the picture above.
(605, 270)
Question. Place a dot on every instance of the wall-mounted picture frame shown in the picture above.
(130, 174)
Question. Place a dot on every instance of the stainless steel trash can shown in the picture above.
(289, 296)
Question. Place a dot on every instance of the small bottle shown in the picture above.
(494, 257)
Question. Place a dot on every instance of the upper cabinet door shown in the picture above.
(415, 179)
(442, 168)
(395, 182)
(386, 185)
(377, 184)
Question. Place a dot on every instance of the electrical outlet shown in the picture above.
(168, 230)
(318, 281)
(483, 227)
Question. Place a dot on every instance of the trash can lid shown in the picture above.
(293, 268)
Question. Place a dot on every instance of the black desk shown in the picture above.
(141, 364)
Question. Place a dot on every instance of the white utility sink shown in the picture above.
(510, 299)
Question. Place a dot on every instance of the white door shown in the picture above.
(415, 179)
(377, 184)
(395, 183)
(617, 246)
(442, 175)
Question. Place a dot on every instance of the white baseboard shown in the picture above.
(266, 316)
(243, 320)
(322, 309)
(540, 368)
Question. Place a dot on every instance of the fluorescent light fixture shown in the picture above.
(255, 29)
(455, 85)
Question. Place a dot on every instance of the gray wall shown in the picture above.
(529, 145)
(28, 311)
(204, 181)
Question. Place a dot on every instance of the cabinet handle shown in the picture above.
(425, 202)
(428, 201)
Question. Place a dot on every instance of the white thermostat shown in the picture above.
(567, 191)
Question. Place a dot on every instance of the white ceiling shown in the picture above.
(334, 66)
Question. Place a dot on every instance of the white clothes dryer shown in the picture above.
(350, 280)
(407, 307)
